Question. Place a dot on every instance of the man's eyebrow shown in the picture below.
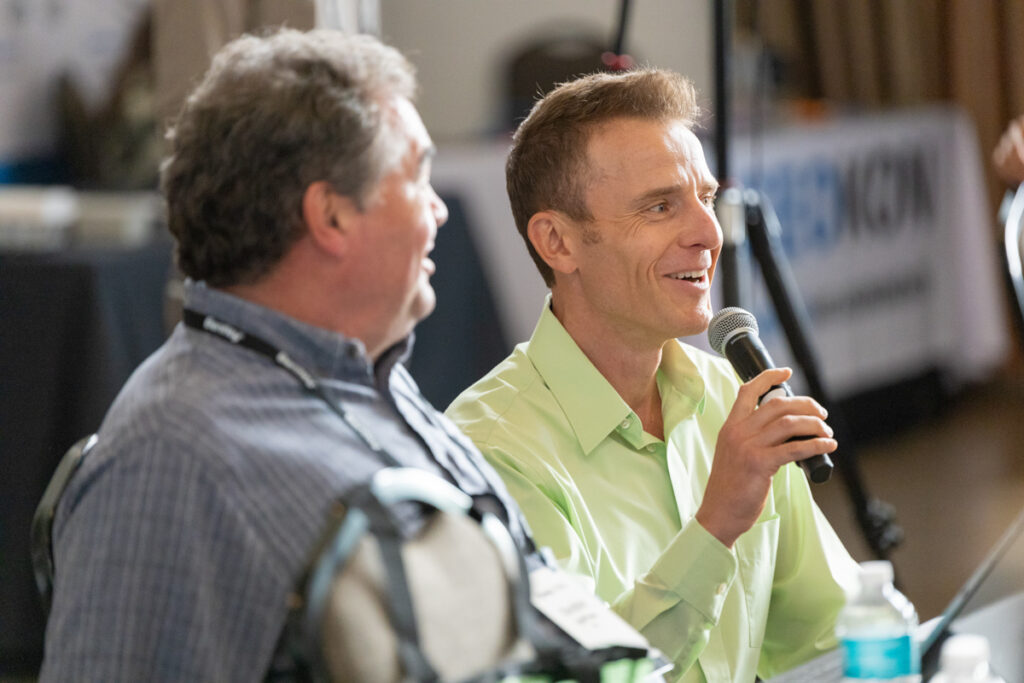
(708, 186)
(656, 193)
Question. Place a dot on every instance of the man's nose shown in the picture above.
(439, 208)
(702, 228)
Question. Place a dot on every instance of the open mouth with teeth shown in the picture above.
(689, 275)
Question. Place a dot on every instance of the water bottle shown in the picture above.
(964, 659)
(877, 631)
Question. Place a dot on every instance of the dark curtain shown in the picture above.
(891, 53)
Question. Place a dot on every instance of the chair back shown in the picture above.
(46, 511)
(1012, 214)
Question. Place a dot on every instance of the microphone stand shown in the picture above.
(875, 517)
(731, 272)
(750, 216)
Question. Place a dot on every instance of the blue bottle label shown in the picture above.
(881, 657)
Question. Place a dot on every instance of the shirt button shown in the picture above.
(721, 589)
(651, 448)
(625, 423)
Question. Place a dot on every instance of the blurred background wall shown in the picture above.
(463, 48)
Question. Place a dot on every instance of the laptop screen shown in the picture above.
(990, 604)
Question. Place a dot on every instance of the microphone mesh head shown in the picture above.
(727, 321)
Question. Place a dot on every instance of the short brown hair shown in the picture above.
(273, 115)
(547, 167)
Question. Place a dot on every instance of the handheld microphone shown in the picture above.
(733, 334)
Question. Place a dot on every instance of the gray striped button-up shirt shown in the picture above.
(178, 540)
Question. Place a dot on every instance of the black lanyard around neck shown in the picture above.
(230, 333)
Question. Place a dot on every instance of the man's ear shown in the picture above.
(329, 217)
(554, 240)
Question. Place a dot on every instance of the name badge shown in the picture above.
(580, 613)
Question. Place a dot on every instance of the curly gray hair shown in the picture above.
(273, 115)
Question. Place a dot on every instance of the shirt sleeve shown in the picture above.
(813, 572)
(151, 549)
(674, 605)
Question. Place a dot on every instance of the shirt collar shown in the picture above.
(682, 386)
(326, 353)
(591, 405)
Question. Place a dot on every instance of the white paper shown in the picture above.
(580, 614)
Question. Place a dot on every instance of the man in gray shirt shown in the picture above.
(298, 189)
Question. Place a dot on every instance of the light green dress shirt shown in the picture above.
(616, 506)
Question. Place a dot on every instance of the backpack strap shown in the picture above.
(542, 647)
(400, 606)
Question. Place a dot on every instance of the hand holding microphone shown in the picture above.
(766, 429)
(733, 333)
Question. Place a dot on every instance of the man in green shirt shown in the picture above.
(641, 461)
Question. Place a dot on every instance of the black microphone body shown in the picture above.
(733, 333)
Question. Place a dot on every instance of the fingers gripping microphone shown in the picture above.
(733, 333)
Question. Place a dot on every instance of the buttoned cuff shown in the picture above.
(699, 569)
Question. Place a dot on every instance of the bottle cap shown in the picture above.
(965, 655)
(876, 572)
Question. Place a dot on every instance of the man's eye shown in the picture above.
(709, 201)
(660, 207)
(424, 175)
